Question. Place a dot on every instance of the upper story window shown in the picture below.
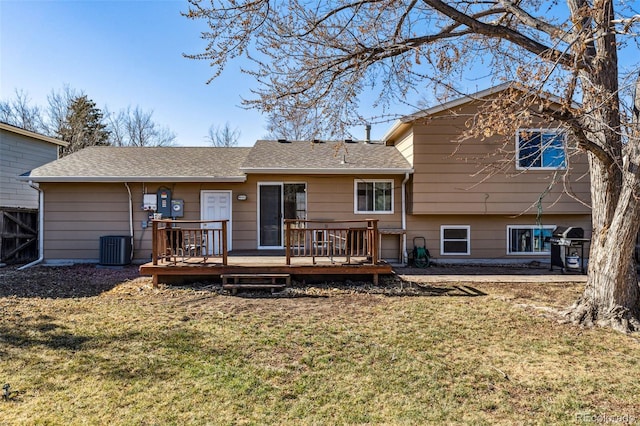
(374, 196)
(540, 149)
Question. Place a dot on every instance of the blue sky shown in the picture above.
(129, 53)
(122, 53)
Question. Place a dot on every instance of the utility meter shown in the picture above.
(150, 202)
(177, 208)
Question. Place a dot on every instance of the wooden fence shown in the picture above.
(18, 235)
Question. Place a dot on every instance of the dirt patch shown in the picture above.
(80, 281)
(63, 281)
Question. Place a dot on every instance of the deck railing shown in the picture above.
(346, 239)
(183, 240)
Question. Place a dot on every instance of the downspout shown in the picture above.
(40, 228)
(405, 256)
(130, 220)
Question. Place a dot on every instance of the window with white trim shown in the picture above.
(373, 196)
(455, 239)
(528, 239)
(540, 149)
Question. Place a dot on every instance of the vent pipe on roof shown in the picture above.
(367, 137)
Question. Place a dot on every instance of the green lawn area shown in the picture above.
(323, 355)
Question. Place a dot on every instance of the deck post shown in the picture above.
(224, 242)
(374, 241)
(154, 242)
(287, 240)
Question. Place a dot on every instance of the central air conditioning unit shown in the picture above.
(115, 250)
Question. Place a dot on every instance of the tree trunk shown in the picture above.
(612, 296)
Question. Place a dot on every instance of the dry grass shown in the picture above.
(131, 354)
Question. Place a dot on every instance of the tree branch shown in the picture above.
(502, 32)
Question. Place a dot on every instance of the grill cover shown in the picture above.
(568, 232)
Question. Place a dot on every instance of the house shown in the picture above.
(101, 191)
(413, 184)
(20, 151)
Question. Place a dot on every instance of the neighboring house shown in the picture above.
(415, 183)
(20, 151)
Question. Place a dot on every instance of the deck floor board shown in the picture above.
(263, 264)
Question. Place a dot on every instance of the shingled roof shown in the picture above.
(324, 157)
(208, 164)
(136, 164)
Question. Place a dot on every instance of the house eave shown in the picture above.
(326, 171)
(34, 135)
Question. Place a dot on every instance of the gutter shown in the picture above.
(40, 228)
(333, 171)
(405, 256)
(130, 220)
(143, 179)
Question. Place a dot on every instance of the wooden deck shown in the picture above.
(300, 268)
(185, 250)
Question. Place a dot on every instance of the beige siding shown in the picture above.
(488, 233)
(331, 197)
(456, 178)
(405, 146)
(77, 215)
(20, 154)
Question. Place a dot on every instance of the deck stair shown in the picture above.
(234, 282)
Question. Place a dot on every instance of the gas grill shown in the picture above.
(566, 242)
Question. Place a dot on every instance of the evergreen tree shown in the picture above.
(83, 126)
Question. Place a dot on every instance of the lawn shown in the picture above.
(104, 349)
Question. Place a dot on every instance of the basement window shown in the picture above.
(523, 239)
(455, 240)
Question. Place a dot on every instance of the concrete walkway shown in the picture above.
(434, 279)
(487, 275)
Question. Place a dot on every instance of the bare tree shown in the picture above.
(20, 113)
(59, 102)
(137, 128)
(299, 125)
(324, 55)
(223, 136)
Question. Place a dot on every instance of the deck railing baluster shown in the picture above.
(189, 241)
(316, 238)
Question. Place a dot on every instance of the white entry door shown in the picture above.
(216, 205)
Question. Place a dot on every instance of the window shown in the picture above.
(523, 239)
(540, 149)
(454, 239)
(374, 196)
